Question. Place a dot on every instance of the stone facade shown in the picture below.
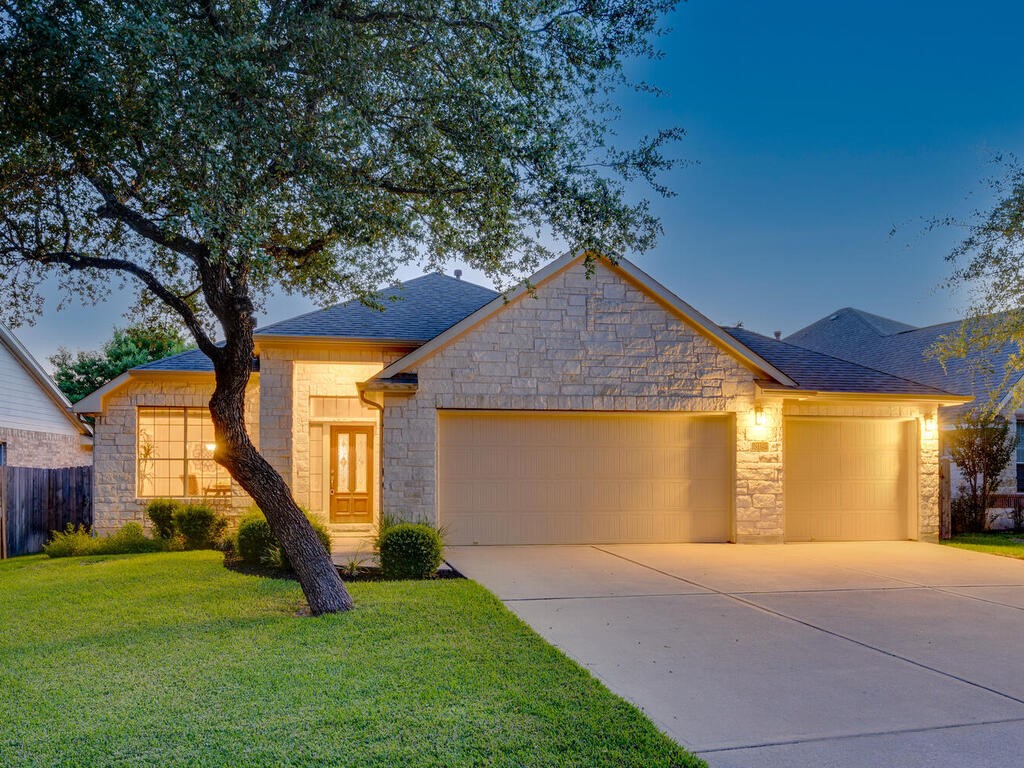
(26, 448)
(600, 343)
(115, 496)
(305, 388)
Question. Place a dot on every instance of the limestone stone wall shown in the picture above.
(928, 449)
(26, 448)
(600, 343)
(115, 499)
(304, 389)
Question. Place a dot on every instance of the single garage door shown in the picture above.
(529, 477)
(848, 479)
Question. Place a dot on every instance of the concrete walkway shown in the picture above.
(814, 655)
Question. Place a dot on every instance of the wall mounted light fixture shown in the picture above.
(930, 425)
(760, 417)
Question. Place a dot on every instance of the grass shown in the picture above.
(1002, 543)
(169, 659)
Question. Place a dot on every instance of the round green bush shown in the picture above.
(199, 525)
(410, 551)
(254, 540)
(161, 514)
(256, 545)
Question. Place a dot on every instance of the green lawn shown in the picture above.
(1005, 544)
(169, 659)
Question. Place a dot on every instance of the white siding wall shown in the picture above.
(24, 404)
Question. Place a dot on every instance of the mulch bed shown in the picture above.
(364, 573)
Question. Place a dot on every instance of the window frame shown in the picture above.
(220, 479)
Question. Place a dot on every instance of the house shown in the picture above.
(588, 409)
(903, 350)
(38, 427)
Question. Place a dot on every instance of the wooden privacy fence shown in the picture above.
(34, 502)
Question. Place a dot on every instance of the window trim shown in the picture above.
(202, 493)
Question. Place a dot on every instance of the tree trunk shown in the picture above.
(325, 592)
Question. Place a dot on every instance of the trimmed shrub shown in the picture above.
(129, 539)
(75, 542)
(199, 525)
(253, 540)
(161, 514)
(410, 551)
(69, 542)
(255, 543)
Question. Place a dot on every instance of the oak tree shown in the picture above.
(210, 152)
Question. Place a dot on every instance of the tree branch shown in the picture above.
(113, 208)
(77, 261)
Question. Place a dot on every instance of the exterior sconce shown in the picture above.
(930, 426)
(760, 417)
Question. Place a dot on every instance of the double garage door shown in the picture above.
(527, 477)
(530, 477)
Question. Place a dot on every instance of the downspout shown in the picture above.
(361, 389)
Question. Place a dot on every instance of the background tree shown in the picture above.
(988, 262)
(981, 446)
(84, 372)
(214, 150)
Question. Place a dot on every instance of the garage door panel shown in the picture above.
(847, 479)
(556, 477)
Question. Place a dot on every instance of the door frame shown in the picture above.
(352, 427)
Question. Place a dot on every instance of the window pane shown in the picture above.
(173, 457)
(1020, 441)
(342, 478)
(361, 460)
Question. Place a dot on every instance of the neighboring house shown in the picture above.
(38, 427)
(588, 410)
(904, 350)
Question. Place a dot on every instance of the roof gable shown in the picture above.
(624, 267)
(34, 372)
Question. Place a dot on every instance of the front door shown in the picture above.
(352, 474)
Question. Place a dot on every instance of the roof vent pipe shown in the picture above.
(778, 335)
(458, 274)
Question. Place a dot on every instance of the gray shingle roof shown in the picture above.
(905, 352)
(417, 310)
(817, 371)
(190, 360)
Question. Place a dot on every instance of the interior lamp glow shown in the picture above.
(211, 447)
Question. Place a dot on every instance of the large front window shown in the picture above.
(174, 454)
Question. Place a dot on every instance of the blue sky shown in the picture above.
(814, 128)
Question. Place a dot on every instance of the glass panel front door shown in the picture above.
(352, 474)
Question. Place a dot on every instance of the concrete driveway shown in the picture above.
(816, 655)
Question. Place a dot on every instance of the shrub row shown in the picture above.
(197, 525)
(130, 539)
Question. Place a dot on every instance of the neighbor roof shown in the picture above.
(416, 310)
(903, 350)
(825, 373)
